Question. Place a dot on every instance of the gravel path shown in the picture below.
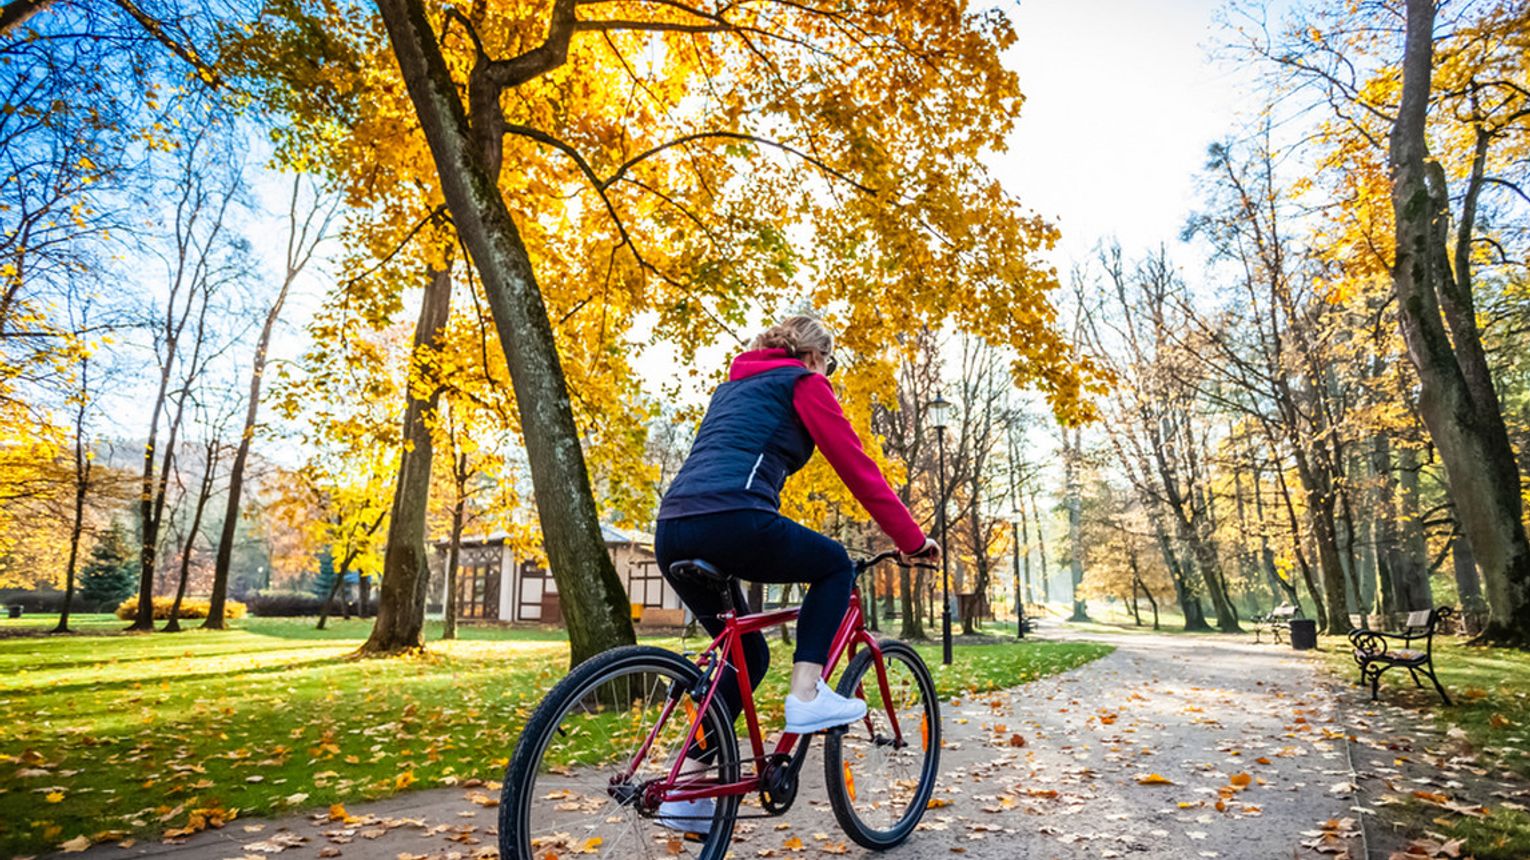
(1171, 747)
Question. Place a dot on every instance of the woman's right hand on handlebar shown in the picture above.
(930, 552)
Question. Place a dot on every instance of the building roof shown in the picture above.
(612, 536)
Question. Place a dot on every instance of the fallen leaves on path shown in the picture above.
(1433, 847)
(1332, 837)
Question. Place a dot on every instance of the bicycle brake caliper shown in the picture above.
(699, 691)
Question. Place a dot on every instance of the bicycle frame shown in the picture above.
(729, 648)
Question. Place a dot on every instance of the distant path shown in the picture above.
(1197, 711)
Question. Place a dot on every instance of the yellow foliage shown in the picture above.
(787, 190)
(191, 607)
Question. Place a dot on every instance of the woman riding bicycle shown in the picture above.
(723, 507)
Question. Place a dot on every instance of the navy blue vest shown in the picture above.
(749, 442)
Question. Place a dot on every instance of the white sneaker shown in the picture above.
(688, 816)
(828, 710)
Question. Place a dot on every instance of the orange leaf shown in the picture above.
(1154, 779)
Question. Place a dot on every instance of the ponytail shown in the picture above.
(797, 334)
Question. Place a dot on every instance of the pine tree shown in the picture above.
(111, 574)
(324, 583)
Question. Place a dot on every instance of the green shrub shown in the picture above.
(191, 607)
(272, 603)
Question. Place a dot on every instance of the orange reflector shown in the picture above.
(924, 729)
(849, 782)
(690, 719)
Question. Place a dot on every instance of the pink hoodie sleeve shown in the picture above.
(831, 431)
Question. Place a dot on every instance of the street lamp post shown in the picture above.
(940, 412)
(1014, 525)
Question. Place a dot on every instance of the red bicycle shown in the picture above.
(638, 726)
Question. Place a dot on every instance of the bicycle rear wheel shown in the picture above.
(879, 787)
(566, 791)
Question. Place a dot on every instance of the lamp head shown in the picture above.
(940, 412)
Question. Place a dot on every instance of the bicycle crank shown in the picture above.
(779, 783)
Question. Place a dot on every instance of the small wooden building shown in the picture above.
(494, 586)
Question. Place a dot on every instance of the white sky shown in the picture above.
(1121, 103)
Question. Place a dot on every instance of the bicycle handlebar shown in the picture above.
(865, 564)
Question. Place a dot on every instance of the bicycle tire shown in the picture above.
(516, 793)
(840, 798)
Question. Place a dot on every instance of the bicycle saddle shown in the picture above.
(698, 571)
(694, 571)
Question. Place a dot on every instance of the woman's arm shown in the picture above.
(831, 431)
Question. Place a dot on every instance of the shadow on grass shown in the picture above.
(187, 678)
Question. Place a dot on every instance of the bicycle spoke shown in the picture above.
(578, 799)
(885, 775)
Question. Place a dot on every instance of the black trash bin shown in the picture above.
(1303, 634)
(14, 610)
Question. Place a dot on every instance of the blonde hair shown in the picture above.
(797, 334)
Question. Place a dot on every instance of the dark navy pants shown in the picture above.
(761, 546)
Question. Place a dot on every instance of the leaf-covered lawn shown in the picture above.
(112, 736)
(1486, 731)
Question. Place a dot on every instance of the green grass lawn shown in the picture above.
(1491, 690)
(79, 622)
(113, 736)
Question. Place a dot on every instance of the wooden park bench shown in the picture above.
(1374, 654)
(1276, 623)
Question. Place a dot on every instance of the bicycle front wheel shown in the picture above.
(581, 783)
(879, 780)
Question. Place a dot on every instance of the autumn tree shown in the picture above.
(203, 259)
(1132, 326)
(1432, 274)
(647, 174)
(308, 221)
(1407, 114)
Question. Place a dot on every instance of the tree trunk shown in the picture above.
(204, 492)
(400, 624)
(16, 12)
(453, 553)
(1136, 582)
(1320, 508)
(1319, 612)
(215, 610)
(1025, 550)
(912, 585)
(1041, 546)
(594, 604)
(1456, 394)
(334, 587)
(1189, 601)
(82, 468)
(1468, 585)
(1410, 562)
(148, 528)
(1071, 455)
